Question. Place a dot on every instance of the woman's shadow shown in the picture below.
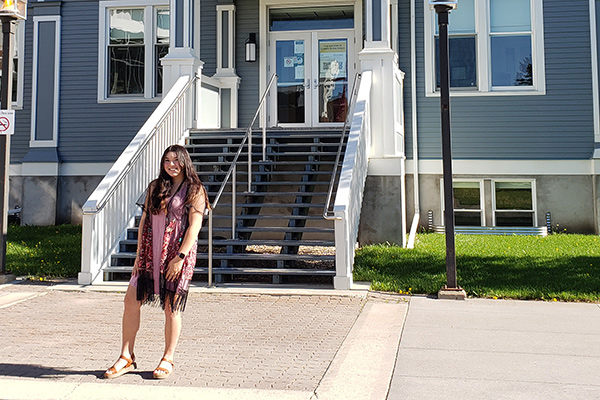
(42, 372)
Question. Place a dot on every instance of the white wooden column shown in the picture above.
(226, 73)
(184, 47)
(379, 57)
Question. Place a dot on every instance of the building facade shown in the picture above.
(525, 107)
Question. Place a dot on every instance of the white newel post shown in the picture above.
(89, 265)
(343, 259)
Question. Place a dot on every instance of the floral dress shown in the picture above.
(161, 239)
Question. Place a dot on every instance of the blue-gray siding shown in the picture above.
(247, 21)
(88, 131)
(208, 36)
(558, 125)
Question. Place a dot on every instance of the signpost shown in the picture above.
(9, 12)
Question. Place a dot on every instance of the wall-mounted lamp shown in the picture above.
(16, 9)
(251, 47)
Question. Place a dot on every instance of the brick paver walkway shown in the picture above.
(228, 340)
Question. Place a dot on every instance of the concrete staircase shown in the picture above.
(280, 234)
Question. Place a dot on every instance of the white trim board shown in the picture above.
(66, 169)
(34, 84)
(391, 167)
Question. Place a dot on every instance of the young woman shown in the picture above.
(164, 264)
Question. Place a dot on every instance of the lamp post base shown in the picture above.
(5, 278)
(447, 293)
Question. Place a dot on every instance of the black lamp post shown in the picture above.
(10, 11)
(443, 8)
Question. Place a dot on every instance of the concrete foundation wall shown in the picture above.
(51, 200)
(381, 216)
(39, 200)
(74, 192)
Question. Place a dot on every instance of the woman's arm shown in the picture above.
(195, 218)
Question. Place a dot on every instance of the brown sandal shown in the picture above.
(165, 371)
(112, 372)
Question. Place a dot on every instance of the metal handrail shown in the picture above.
(232, 173)
(336, 166)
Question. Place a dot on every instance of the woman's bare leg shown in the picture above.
(131, 325)
(172, 332)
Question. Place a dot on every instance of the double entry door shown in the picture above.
(314, 70)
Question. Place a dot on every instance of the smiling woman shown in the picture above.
(166, 256)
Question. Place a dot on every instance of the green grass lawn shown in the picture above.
(562, 267)
(44, 251)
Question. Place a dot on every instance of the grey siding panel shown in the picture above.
(558, 125)
(208, 36)
(90, 131)
(404, 58)
(19, 142)
(247, 21)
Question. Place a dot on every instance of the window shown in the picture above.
(17, 79)
(495, 46)
(514, 203)
(468, 209)
(134, 37)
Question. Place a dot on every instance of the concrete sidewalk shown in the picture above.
(497, 349)
(295, 343)
(236, 343)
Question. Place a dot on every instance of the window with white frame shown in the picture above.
(468, 203)
(494, 46)
(514, 203)
(17, 79)
(134, 36)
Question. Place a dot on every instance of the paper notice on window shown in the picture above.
(332, 59)
(288, 62)
(299, 72)
(299, 46)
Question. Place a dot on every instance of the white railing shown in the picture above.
(111, 208)
(351, 185)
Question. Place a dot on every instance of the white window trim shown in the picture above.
(481, 198)
(264, 34)
(103, 40)
(484, 80)
(54, 142)
(230, 8)
(533, 199)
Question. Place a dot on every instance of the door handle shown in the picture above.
(308, 83)
(316, 83)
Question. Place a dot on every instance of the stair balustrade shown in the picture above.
(348, 200)
(327, 214)
(111, 208)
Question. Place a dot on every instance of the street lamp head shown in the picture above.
(444, 4)
(16, 9)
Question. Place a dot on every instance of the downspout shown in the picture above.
(415, 145)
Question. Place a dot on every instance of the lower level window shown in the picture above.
(467, 204)
(514, 204)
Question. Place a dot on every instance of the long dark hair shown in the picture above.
(163, 185)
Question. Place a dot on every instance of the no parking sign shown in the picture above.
(7, 122)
